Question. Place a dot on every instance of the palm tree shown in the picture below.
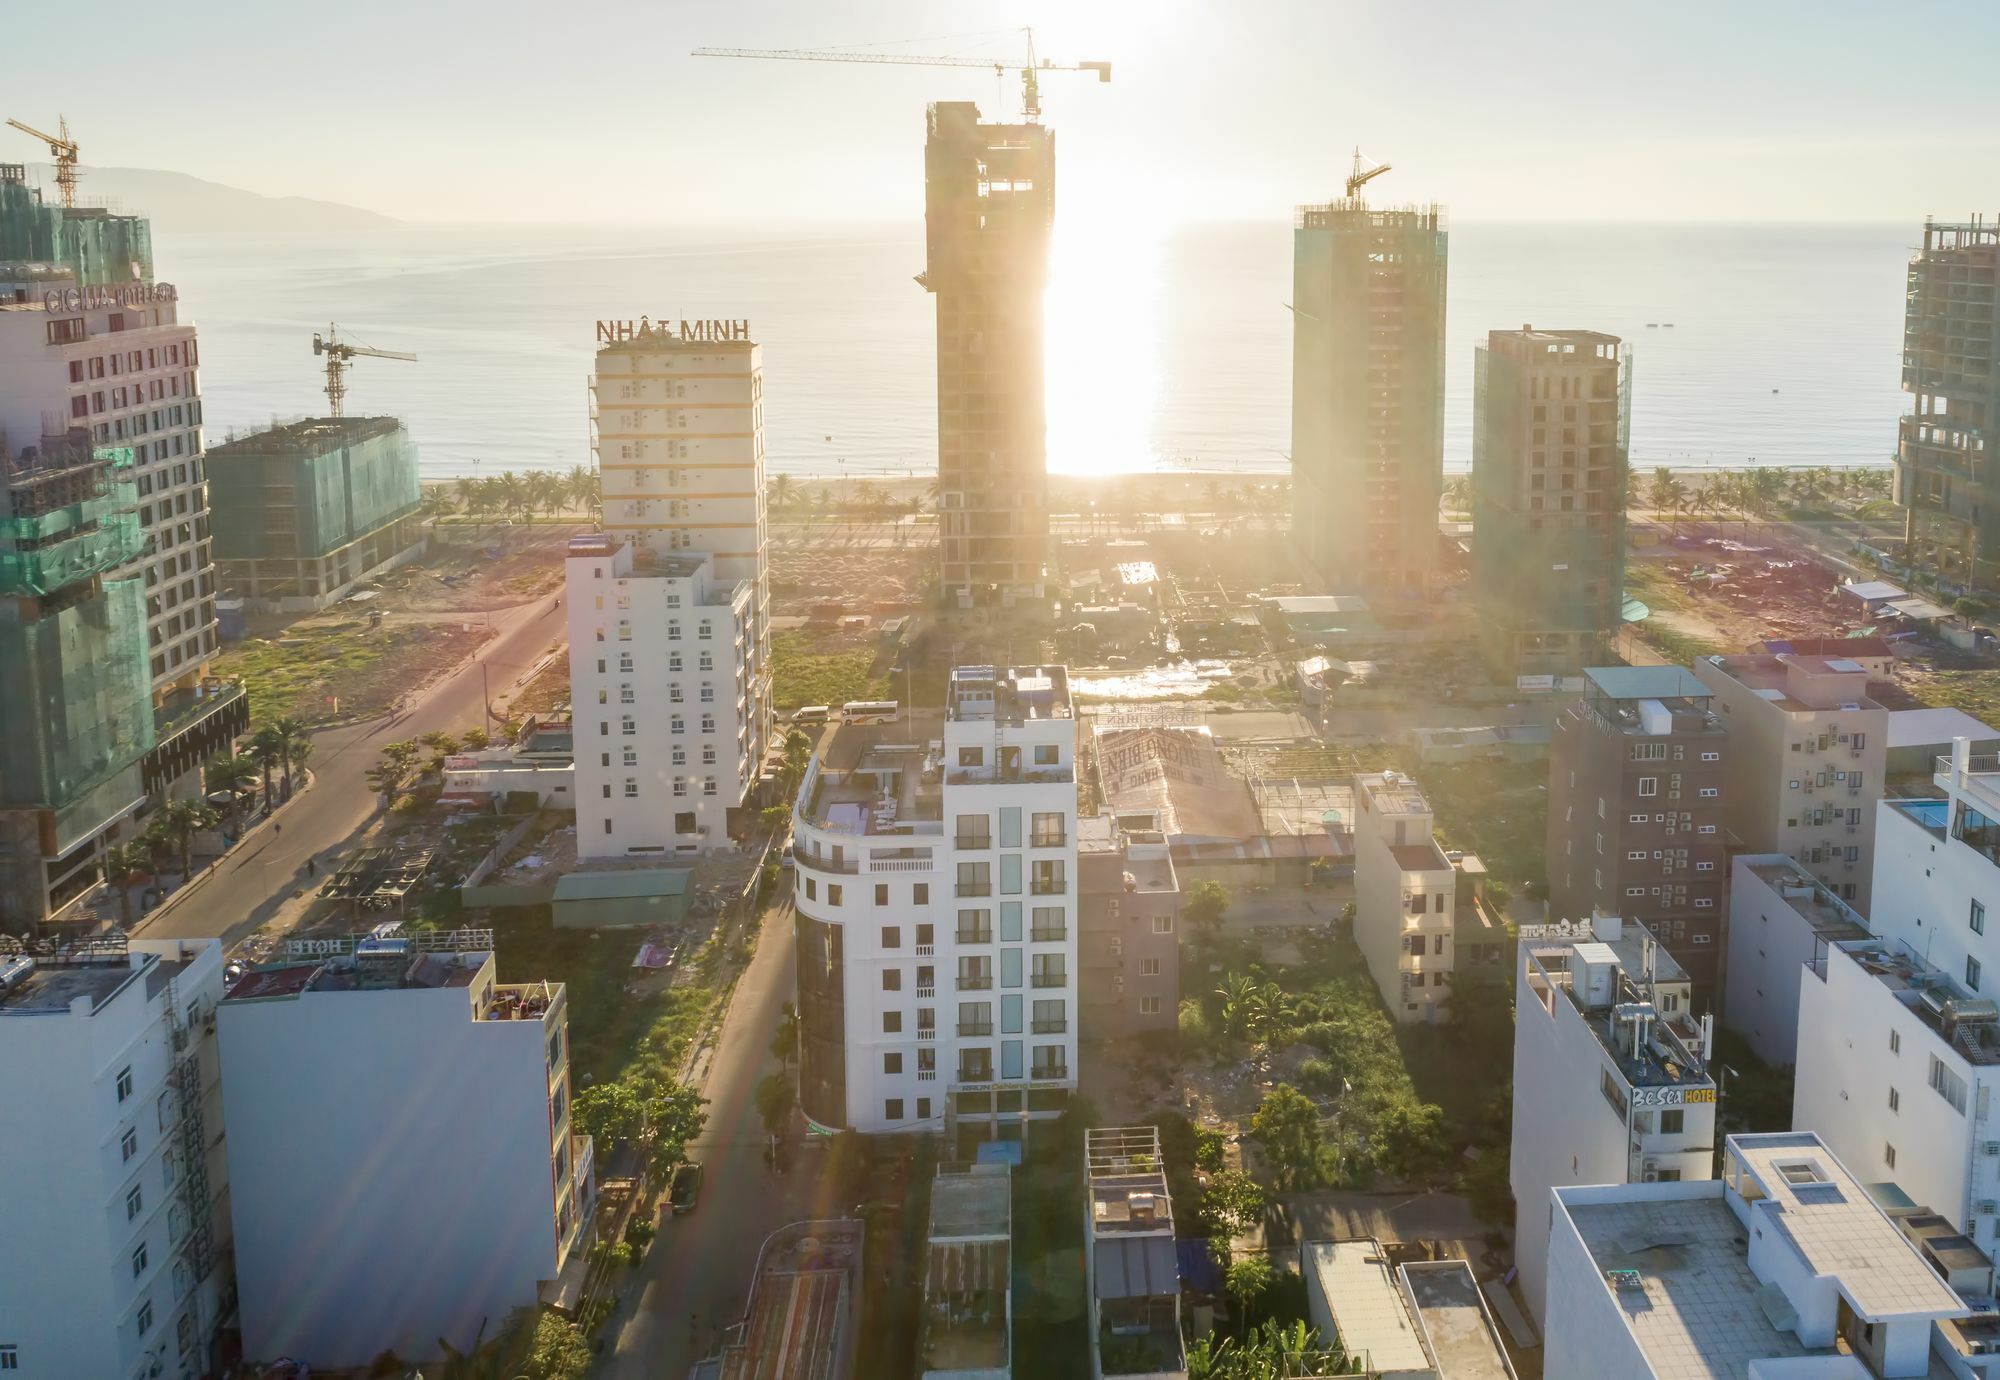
(1267, 1012)
(438, 502)
(234, 773)
(510, 494)
(784, 492)
(267, 750)
(1458, 493)
(1663, 491)
(178, 822)
(465, 490)
(1236, 991)
(123, 862)
(580, 485)
(294, 746)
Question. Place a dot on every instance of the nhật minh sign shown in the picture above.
(693, 332)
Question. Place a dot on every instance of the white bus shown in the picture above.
(869, 711)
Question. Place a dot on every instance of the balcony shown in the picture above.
(1049, 887)
(1048, 936)
(1048, 1071)
(972, 840)
(928, 1032)
(926, 991)
(974, 936)
(926, 950)
(975, 982)
(969, 1029)
(1059, 839)
(926, 1075)
(1051, 979)
(1049, 1027)
(975, 889)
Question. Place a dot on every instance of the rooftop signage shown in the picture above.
(691, 332)
(95, 298)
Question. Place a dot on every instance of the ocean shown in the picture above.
(1168, 348)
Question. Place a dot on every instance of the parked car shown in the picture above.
(685, 1186)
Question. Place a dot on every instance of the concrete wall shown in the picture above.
(394, 1168)
(1587, 1336)
(1125, 958)
(1770, 945)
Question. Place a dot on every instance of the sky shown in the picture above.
(502, 111)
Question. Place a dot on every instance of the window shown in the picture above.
(1649, 752)
(1637, 819)
(1149, 967)
(1673, 1121)
(1889, 1155)
(631, 787)
(921, 894)
(1895, 1042)
(145, 1319)
(1711, 757)
(1045, 754)
(833, 890)
(892, 936)
(892, 1062)
(128, 1144)
(1977, 918)
(10, 1357)
(812, 886)
(1709, 792)
(1163, 924)
(1149, 1006)
(124, 1082)
(1046, 830)
(892, 1022)
(1947, 1084)
(892, 979)
(1895, 1100)
(135, 1199)
(881, 893)
(139, 1260)
(1649, 785)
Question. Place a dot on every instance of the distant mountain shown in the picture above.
(178, 202)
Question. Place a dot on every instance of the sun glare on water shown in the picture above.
(1101, 352)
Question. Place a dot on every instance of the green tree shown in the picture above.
(475, 739)
(1236, 991)
(176, 824)
(234, 773)
(1663, 491)
(295, 746)
(1409, 1140)
(785, 1040)
(1272, 1351)
(1203, 906)
(1286, 1127)
(1267, 1014)
(1232, 1203)
(267, 750)
(560, 1350)
(608, 1112)
(776, 1097)
(1246, 1281)
(123, 862)
(389, 773)
(782, 492)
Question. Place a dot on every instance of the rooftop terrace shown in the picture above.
(46, 982)
(878, 778)
(1969, 1024)
(1801, 684)
(1013, 694)
(1830, 917)
(1655, 1057)
(1390, 793)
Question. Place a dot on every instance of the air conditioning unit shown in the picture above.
(1985, 1207)
(1652, 1176)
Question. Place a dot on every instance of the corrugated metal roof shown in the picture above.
(614, 886)
(1137, 1267)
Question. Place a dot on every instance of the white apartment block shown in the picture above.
(1610, 1075)
(119, 364)
(1808, 754)
(1784, 1268)
(678, 427)
(117, 1258)
(671, 719)
(1899, 1037)
(403, 1168)
(1781, 918)
(1405, 898)
(936, 896)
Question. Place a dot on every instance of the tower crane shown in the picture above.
(62, 148)
(1031, 91)
(339, 358)
(1359, 177)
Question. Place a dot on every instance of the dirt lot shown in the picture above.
(1727, 593)
(476, 569)
(855, 564)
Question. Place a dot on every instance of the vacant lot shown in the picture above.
(337, 666)
(806, 669)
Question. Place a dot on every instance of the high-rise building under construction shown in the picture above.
(1551, 420)
(989, 200)
(1945, 477)
(1368, 297)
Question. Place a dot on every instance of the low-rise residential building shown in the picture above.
(1807, 752)
(1127, 932)
(1129, 1257)
(1611, 1082)
(1782, 1267)
(116, 1224)
(1405, 909)
(1638, 799)
(967, 1328)
(1781, 918)
(403, 1169)
(804, 1314)
(671, 715)
(1398, 1313)
(936, 909)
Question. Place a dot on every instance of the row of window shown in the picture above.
(129, 362)
(676, 693)
(1657, 752)
(628, 725)
(1045, 829)
(1650, 786)
(625, 668)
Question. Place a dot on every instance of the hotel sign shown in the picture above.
(692, 332)
(1671, 1097)
(96, 298)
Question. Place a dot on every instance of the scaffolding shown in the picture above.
(80, 692)
(103, 248)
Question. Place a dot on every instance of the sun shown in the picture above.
(1101, 349)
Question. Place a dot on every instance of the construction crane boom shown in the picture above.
(62, 148)
(1031, 91)
(1360, 178)
(340, 356)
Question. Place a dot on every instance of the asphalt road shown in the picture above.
(252, 883)
(696, 1278)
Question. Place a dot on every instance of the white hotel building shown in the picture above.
(664, 694)
(117, 1254)
(1611, 1084)
(936, 897)
(1899, 1034)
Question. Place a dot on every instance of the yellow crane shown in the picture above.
(339, 357)
(62, 148)
(1359, 178)
(1031, 90)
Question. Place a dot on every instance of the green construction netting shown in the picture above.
(100, 248)
(310, 488)
(79, 694)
